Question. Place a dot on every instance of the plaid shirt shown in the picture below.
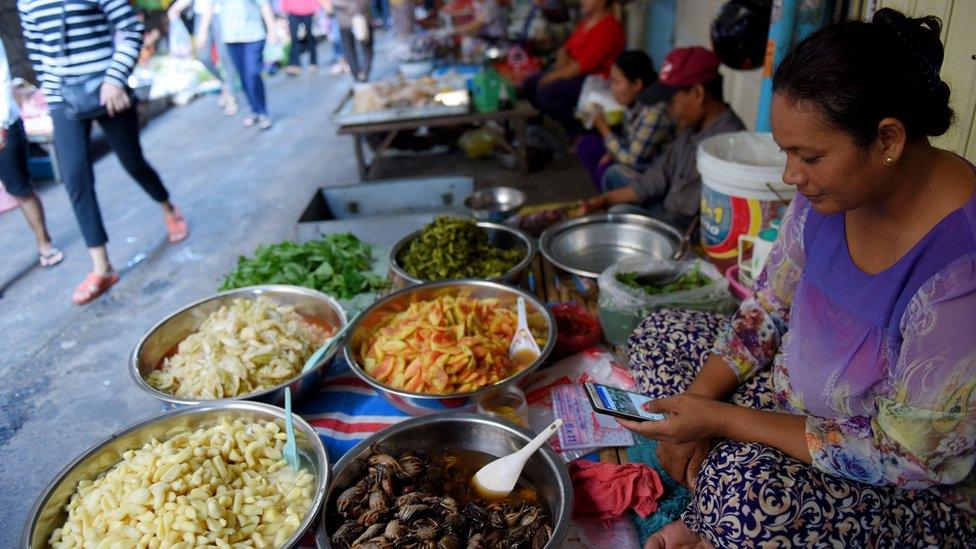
(646, 131)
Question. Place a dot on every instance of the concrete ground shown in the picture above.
(64, 382)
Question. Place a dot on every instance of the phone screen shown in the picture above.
(623, 402)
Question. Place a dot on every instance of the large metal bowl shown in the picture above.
(501, 236)
(168, 333)
(588, 245)
(435, 434)
(48, 512)
(419, 404)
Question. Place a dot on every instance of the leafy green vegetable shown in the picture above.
(694, 279)
(452, 248)
(336, 264)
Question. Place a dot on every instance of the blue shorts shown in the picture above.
(13, 162)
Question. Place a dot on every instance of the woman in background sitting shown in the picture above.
(646, 131)
(591, 49)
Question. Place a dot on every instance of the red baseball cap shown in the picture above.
(682, 67)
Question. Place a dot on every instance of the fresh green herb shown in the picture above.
(336, 264)
(694, 279)
(451, 248)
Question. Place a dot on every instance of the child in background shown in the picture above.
(646, 131)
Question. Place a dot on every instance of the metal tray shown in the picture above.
(344, 115)
(588, 245)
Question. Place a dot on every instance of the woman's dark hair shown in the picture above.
(858, 73)
(636, 64)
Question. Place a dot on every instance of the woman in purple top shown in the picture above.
(852, 368)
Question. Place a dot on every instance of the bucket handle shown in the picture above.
(782, 200)
(686, 240)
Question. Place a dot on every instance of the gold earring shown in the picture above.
(889, 160)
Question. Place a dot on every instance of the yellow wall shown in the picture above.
(958, 69)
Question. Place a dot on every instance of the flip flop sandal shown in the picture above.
(176, 226)
(93, 286)
(50, 259)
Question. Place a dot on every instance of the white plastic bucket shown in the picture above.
(742, 186)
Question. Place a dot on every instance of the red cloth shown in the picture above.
(596, 48)
(607, 490)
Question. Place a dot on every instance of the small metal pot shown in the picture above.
(168, 333)
(502, 236)
(419, 404)
(545, 471)
(495, 204)
(47, 514)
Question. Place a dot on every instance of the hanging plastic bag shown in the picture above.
(360, 28)
(622, 307)
(180, 43)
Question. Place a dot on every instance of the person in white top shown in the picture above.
(13, 167)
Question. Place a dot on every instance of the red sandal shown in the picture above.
(93, 286)
(176, 226)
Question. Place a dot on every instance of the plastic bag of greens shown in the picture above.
(635, 287)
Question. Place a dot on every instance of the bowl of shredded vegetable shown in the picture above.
(437, 346)
(455, 248)
(248, 343)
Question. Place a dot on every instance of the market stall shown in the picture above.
(361, 269)
(398, 105)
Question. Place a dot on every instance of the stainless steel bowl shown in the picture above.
(501, 236)
(588, 245)
(168, 333)
(48, 511)
(419, 404)
(496, 203)
(545, 471)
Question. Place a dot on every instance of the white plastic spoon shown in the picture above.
(497, 479)
(523, 349)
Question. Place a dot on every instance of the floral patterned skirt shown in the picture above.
(752, 495)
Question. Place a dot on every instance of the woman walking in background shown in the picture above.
(300, 15)
(70, 41)
(225, 72)
(13, 168)
(357, 35)
(245, 25)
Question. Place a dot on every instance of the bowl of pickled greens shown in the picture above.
(455, 248)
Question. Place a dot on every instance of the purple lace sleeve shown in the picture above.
(750, 341)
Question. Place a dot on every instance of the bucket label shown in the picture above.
(724, 218)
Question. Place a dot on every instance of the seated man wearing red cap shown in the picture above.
(670, 190)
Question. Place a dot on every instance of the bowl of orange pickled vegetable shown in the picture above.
(438, 346)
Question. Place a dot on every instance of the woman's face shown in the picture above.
(624, 91)
(825, 164)
(589, 7)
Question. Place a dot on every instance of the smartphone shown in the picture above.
(620, 403)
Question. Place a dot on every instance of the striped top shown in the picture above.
(90, 47)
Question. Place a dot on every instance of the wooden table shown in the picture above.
(517, 116)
